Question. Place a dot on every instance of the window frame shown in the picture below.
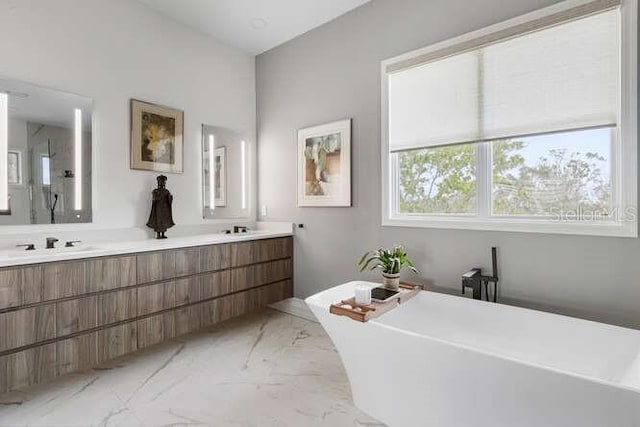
(624, 146)
(42, 174)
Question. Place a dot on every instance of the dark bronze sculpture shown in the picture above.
(161, 217)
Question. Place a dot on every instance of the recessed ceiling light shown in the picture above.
(258, 24)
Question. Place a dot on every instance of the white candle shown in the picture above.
(363, 295)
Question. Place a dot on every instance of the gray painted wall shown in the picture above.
(115, 50)
(333, 72)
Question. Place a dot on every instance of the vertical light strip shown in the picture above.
(212, 173)
(243, 171)
(4, 146)
(78, 160)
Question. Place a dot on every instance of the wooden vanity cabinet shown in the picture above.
(61, 317)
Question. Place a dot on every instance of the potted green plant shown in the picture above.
(390, 261)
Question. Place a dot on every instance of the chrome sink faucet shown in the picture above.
(51, 242)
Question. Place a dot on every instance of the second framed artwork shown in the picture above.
(156, 137)
(324, 165)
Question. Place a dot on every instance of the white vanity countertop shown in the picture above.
(19, 256)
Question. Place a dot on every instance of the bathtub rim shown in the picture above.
(378, 322)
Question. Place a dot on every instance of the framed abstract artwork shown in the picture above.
(324, 165)
(156, 137)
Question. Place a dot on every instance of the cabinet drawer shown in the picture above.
(64, 279)
(187, 291)
(157, 297)
(117, 341)
(27, 326)
(81, 314)
(215, 311)
(275, 249)
(117, 306)
(216, 257)
(32, 366)
(76, 315)
(260, 274)
(187, 261)
(77, 353)
(20, 286)
(260, 251)
(155, 266)
(110, 273)
(155, 329)
(215, 284)
(187, 319)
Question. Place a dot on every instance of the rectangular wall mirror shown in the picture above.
(225, 173)
(45, 141)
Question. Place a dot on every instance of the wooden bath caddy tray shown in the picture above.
(363, 313)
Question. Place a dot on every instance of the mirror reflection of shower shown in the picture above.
(52, 197)
(48, 148)
(51, 179)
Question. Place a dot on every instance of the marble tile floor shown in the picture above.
(263, 369)
(295, 307)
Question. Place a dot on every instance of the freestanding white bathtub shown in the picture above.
(444, 361)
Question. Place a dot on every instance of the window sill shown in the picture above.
(520, 225)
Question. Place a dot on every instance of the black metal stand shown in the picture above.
(475, 280)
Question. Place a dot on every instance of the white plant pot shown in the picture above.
(391, 281)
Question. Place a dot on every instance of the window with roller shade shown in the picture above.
(522, 123)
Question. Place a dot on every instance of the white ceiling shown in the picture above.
(253, 26)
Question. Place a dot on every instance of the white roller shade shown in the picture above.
(562, 78)
(557, 78)
(434, 104)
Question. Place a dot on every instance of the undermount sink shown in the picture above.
(38, 252)
(249, 232)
